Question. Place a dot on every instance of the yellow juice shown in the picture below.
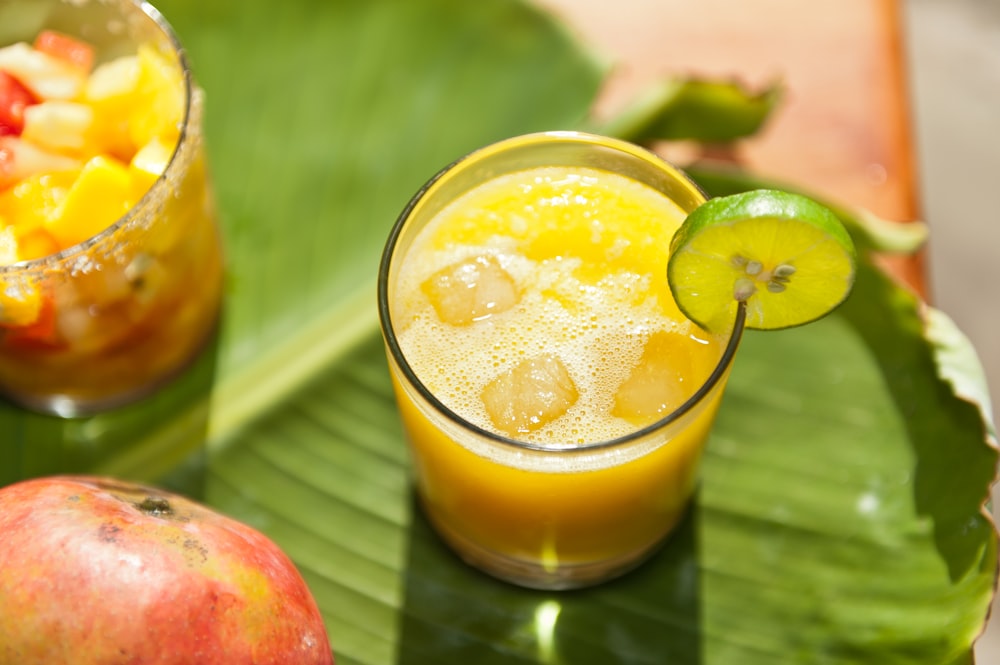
(555, 400)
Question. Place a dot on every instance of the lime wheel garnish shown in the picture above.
(787, 258)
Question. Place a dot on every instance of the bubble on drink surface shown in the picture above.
(530, 395)
(471, 290)
(656, 385)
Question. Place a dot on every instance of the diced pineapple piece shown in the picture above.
(149, 163)
(8, 244)
(661, 381)
(112, 92)
(20, 159)
(46, 76)
(58, 126)
(160, 98)
(115, 79)
(100, 195)
(471, 290)
(529, 396)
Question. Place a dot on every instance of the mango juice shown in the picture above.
(555, 400)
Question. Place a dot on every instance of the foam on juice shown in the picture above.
(587, 251)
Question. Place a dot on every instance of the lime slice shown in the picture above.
(788, 258)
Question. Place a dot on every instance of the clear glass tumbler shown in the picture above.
(129, 308)
(558, 513)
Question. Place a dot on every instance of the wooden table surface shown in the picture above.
(843, 129)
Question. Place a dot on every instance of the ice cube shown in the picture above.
(659, 383)
(530, 395)
(471, 290)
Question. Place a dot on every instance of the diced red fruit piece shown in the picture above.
(64, 47)
(14, 99)
(41, 333)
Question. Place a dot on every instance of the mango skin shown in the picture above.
(100, 571)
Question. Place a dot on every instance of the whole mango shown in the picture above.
(101, 571)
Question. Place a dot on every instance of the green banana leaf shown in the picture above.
(707, 111)
(840, 516)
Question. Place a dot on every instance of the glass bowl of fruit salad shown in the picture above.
(110, 259)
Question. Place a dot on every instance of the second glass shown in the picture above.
(108, 320)
(555, 400)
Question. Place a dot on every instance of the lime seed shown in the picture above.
(744, 288)
(775, 286)
(785, 270)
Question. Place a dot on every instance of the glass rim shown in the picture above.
(399, 358)
(52, 261)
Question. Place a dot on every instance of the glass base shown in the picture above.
(536, 575)
(76, 406)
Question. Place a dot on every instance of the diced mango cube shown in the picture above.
(19, 305)
(100, 195)
(29, 203)
(35, 245)
(161, 90)
(20, 302)
(112, 93)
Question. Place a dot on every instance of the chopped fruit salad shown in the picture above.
(83, 138)
(79, 145)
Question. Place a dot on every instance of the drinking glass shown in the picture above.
(128, 309)
(538, 515)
